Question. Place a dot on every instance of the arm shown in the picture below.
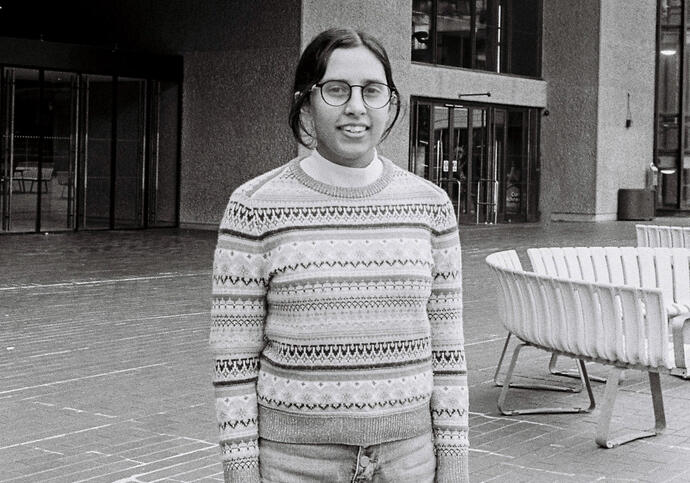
(449, 400)
(236, 339)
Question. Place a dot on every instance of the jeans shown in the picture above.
(411, 460)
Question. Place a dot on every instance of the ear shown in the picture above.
(393, 104)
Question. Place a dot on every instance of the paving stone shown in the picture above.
(104, 366)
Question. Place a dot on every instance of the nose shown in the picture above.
(355, 105)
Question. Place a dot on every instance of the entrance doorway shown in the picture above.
(483, 156)
(82, 151)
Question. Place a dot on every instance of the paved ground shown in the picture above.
(104, 372)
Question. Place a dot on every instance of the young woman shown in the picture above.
(337, 307)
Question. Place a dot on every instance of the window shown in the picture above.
(491, 35)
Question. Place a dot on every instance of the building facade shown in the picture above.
(523, 110)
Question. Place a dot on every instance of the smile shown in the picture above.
(354, 129)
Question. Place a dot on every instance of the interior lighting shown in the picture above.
(668, 52)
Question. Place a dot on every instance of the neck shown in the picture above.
(361, 162)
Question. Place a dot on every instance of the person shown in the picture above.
(337, 301)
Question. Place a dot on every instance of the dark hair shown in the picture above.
(312, 66)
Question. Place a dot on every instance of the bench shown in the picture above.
(607, 305)
(647, 236)
(663, 236)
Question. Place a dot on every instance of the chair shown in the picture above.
(31, 174)
(65, 180)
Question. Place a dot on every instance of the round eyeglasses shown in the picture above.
(337, 93)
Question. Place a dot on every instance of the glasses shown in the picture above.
(337, 93)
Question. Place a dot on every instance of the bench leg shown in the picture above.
(574, 374)
(542, 410)
(680, 327)
(543, 387)
(602, 436)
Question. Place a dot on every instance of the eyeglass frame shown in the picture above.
(392, 90)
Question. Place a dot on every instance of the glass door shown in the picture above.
(20, 151)
(96, 152)
(39, 150)
(58, 150)
(129, 157)
(484, 157)
(87, 151)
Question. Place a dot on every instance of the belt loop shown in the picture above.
(359, 454)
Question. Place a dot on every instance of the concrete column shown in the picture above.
(595, 53)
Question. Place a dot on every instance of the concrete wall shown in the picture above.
(569, 133)
(391, 22)
(627, 66)
(239, 60)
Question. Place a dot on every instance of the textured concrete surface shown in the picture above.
(569, 133)
(104, 370)
(592, 60)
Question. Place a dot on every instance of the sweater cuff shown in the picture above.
(247, 473)
(452, 468)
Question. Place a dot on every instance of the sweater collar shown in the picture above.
(382, 177)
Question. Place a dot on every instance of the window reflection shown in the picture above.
(454, 30)
(421, 30)
(492, 35)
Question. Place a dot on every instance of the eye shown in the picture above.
(375, 89)
(336, 89)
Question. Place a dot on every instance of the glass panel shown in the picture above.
(459, 164)
(485, 41)
(421, 31)
(97, 152)
(24, 134)
(164, 146)
(671, 12)
(668, 133)
(669, 72)
(516, 158)
(532, 175)
(519, 52)
(131, 103)
(453, 29)
(440, 164)
(421, 148)
(59, 131)
(8, 181)
(685, 193)
(483, 175)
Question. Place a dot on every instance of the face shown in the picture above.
(348, 134)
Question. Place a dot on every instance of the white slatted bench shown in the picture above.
(663, 236)
(611, 308)
(654, 267)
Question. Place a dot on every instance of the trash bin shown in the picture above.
(636, 204)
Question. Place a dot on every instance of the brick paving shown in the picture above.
(104, 371)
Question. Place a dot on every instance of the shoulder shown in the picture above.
(251, 190)
(417, 187)
(252, 194)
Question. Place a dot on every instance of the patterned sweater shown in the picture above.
(337, 318)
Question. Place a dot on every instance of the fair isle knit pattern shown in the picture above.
(337, 317)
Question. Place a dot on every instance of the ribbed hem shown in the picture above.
(244, 475)
(359, 431)
(452, 469)
(341, 191)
